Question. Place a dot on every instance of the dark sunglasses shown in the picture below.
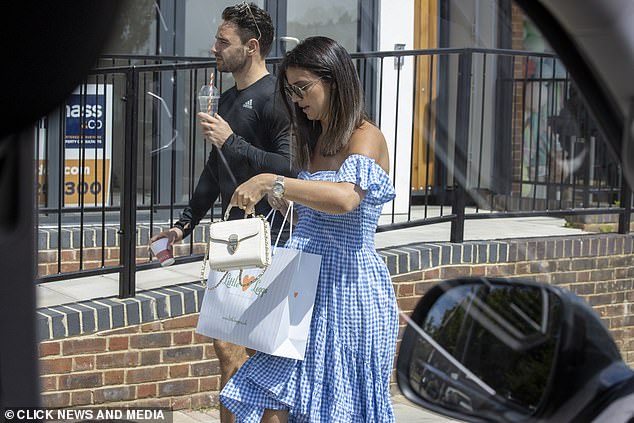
(299, 91)
(244, 5)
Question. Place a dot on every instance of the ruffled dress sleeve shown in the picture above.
(369, 176)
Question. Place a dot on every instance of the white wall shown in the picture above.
(396, 26)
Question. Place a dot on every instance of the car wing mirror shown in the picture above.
(481, 349)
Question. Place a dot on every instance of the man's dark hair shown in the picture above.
(248, 24)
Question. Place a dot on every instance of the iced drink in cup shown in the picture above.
(204, 103)
(162, 253)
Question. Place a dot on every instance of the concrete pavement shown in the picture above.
(405, 411)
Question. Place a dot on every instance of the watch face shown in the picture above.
(278, 189)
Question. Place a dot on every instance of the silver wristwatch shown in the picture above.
(278, 187)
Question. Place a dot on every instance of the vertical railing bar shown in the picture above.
(127, 282)
(398, 94)
(39, 192)
(415, 103)
(193, 104)
(563, 151)
(429, 132)
(104, 180)
(480, 154)
(586, 167)
(47, 155)
(173, 149)
(143, 143)
(158, 120)
(96, 148)
(538, 129)
(154, 158)
(550, 107)
(62, 183)
(574, 176)
(626, 191)
(602, 172)
(151, 159)
(555, 139)
(461, 146)
(83, 98)
(146, 154)
(381, 92)
(523, 136)
(556, 99)
(513, 119)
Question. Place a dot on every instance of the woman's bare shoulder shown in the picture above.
(368, 140)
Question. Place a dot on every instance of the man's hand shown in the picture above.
(173, 235)
(215, 128)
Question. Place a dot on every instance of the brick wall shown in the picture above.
(163, 363)
(159, 364)
(606, 282)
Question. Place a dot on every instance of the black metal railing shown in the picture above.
(473, 134)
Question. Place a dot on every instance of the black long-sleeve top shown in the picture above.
(260, 144)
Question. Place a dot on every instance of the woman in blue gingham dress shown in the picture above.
(345, 375)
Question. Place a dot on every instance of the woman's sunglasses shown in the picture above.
(297, 90)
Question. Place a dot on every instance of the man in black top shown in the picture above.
(250, 135)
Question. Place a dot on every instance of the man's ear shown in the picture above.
(253, 47)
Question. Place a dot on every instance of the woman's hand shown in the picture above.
(247, 195)
(279, 204)
(282, 205)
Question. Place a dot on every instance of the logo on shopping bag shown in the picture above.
(248, 282)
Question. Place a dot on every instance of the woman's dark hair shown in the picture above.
(249, 22)
(331, 62)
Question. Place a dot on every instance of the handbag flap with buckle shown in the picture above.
(238, 244)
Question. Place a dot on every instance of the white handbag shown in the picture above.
(239, 244)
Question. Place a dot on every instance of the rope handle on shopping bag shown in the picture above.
(286, 217)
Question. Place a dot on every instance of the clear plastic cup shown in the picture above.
(204, 104)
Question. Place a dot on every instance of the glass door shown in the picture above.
(337, 19)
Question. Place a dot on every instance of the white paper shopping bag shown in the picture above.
(269, 312)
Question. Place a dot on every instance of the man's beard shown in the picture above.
(234, 63)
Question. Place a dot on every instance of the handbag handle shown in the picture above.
(229, 207)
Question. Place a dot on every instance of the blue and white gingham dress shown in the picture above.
(345, 375)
